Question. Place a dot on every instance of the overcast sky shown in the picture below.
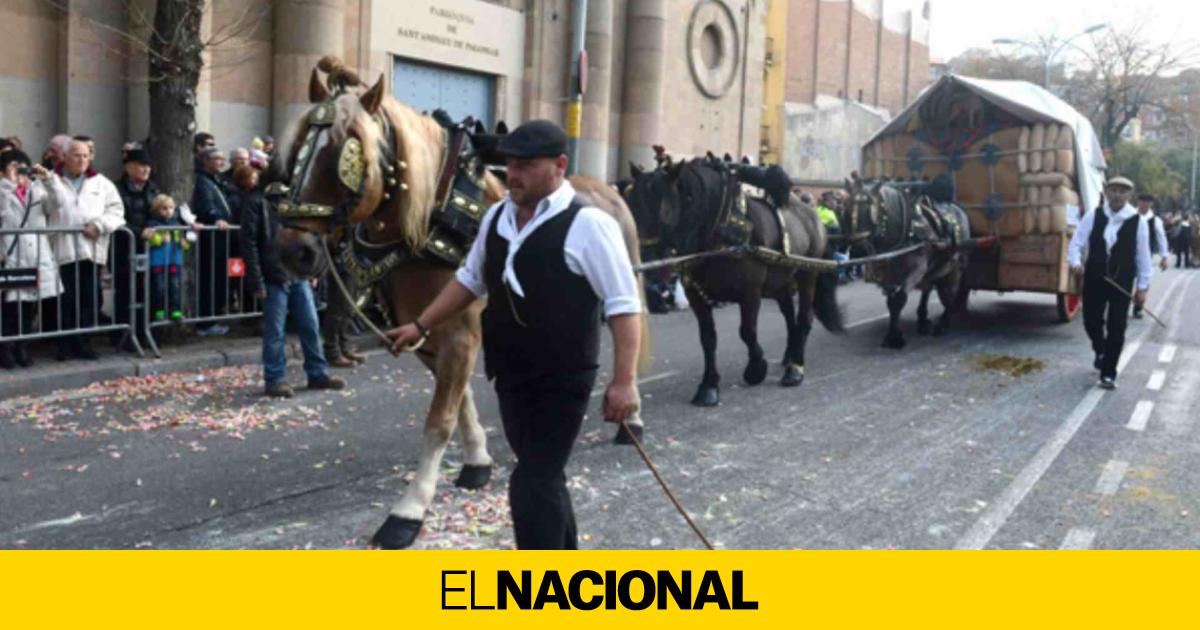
(962, 24)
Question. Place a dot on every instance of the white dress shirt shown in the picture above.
(1163, 248)
(1079, 242)
(594, 249)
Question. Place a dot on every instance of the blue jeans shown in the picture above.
(296, 298)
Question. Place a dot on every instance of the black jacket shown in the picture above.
(137, 202)
(260, 224)
(210, 200)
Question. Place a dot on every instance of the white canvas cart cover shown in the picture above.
(1032, 104)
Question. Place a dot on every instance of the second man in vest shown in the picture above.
(1111, 248)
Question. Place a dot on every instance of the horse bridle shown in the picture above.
(352, 169)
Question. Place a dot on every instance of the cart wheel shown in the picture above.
(1068, 307)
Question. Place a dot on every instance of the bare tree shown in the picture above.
(174, 46)
(1126, 75)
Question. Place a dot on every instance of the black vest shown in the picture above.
(555, 328)
(1121, 263)
(1153, 225)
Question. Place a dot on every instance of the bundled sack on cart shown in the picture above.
(1016, 170)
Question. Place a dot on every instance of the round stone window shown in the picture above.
(714, 51)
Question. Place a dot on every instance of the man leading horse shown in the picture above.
(549, 264)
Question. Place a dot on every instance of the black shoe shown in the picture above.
(85, 352)
(279, 390)
(327, 382)
(1108, 382)
(21, 354)
(6, 358)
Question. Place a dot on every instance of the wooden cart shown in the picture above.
(1024, 164)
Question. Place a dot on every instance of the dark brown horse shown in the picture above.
(364, 166)
(684, 208)
(884, 216)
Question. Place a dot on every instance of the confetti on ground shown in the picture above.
(221, 401)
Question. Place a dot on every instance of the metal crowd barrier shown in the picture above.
(211, 285)
(63, 314)
(206, 287)
(204, 283)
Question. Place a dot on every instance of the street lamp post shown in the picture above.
(1048, 57)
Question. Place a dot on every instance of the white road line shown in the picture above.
(1140, 416)
(649, 379)
(998, 512)
(1168, 353)
(1157, 378)
(1110, 479)
(863, 322)
(1078, 538)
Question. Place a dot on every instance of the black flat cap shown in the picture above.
(141, 156)
(534, 139)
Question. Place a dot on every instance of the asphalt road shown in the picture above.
(929, 447)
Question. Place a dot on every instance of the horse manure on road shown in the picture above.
(1013, 366)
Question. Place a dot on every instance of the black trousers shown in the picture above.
(213, 275)
(1183, 253)
(81, 298)
(128, 288)
(1105, 314)
(542, 418)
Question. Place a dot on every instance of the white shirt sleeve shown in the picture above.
(1145, 266)
(470, 274)
(1080, 240)
(595, 250)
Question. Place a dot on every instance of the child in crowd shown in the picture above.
(166, 248)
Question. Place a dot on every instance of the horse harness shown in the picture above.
(454, 222)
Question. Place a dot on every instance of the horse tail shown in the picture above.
(825, 304)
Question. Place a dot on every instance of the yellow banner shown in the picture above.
(601, 589)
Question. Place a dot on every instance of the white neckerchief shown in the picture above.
(1115, 221)
(545, 210)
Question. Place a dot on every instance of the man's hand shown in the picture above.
(1139, 298)
(620, 401)
(403, 338)
(1162, 263)
(147, 234)
(1077, 270)
(313, 282)
(222, 224)
(91, 232)
(39, 171)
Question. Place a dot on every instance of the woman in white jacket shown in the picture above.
(23, 206)
(79, 197)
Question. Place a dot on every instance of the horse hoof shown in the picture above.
(940, 329)
(923, 327)
(793, 375)
(473, 477)
(706, 397)
(756, 372)
(396, 533)
(623, 439)
(895, 342)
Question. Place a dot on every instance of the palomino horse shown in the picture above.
(699, 206)
(879, 217)
(366, 167)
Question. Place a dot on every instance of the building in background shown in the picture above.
(802, 83)
(836, 71)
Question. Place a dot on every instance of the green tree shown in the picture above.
(1146, 167)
